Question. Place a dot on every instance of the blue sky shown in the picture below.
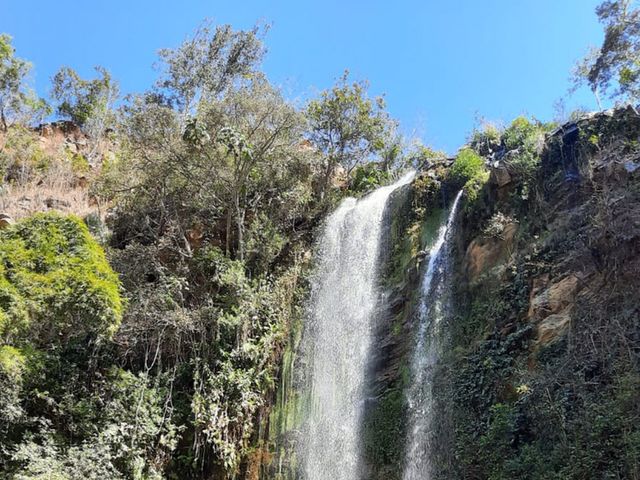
(440, 64)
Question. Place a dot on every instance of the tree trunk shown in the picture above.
(326, 180)
(240, 228)
(597, 95)
(3, 119)
(228, 229)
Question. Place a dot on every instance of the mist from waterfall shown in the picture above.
(342, 312)
(432, 309)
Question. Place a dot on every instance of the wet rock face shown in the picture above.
(546, 304)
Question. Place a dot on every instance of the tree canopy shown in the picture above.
(616, 63)
(18, 102)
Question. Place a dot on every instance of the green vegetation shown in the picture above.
(87, 103)
(347, 126)
(467, 166)
(18, 102)
(214, 189)
(518, 148)
(56, 283)
(617, 62)
(167, 350)
(366, 177)
(525, 138)
(60, 306)
(522, 405)
(383, 432)
(470, 172)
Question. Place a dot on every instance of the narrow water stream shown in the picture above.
(431, 311)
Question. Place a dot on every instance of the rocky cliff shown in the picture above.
(541, 379)
(539, 375)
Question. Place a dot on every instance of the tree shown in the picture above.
(257, 129)
(237, 170)
(392, 153)
(241, 152)
(617, 61)
(205, 65)
(347, 126)
(18, 102)
(88, 103)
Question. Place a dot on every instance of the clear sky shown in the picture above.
(440, 63)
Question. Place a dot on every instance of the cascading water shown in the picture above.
(344, 299)
(432, 310)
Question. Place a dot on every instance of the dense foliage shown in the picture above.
(60, 306)
(616, 64)
(347, 126)
(214, 188)
(157, 352)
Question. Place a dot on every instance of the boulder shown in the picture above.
(550, 306)
(5, 220)
(500, 176)
(485, 253)
(553, 299)
(57, 203)
(553, 327)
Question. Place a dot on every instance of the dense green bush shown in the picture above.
(467, 165)
(523, 141)
(55, 283)
(60, 305)
(366, 177)
(469, 171)
(129, 436)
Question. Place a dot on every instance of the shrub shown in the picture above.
(469, 171)
(366, 177)
(521, 133)
(487, 139)
(22, 156)
(55, 282)
(468, 165)
(525, 138)
(264, 243)
(497, 224)
(12, 364)
(45, 459)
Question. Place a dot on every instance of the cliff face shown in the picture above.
(539, 375)
(413, 218)
(541, 378)
(51, 168)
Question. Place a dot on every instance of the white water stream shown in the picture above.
(343, 306)
(431, 311)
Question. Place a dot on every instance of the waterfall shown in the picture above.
(432, 309)
(343, 304)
